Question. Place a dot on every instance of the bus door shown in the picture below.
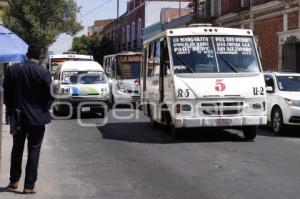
(164, 69)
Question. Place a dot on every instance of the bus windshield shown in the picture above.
(55, 61)
(214, 54)
(82, 77)
(128, 66)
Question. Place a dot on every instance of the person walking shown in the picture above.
(27, 88)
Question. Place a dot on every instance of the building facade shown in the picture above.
(126, 32)
(98, 26)
(276, 25)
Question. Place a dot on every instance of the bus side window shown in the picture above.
(144, 62)
(113, 68)
(157, 58)
(154, 59)
(166, 59)
(150, 66)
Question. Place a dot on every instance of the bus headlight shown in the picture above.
(259, 106)
(186, 107)
(183, 108)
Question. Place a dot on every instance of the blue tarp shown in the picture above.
(12, 47)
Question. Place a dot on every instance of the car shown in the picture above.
(283, 100)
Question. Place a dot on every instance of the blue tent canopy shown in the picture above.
(12, 47)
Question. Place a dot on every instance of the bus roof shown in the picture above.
(201, 31)
(125, 53)
(71, 56)
(81, 66)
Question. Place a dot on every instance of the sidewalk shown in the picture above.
(5, 164)
(46, 179)
(60, 168)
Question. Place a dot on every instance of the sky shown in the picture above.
(91, 10)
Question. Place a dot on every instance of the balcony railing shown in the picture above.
(258, 2)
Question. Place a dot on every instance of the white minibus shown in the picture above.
(203, 76)
(80, 86)
(123, 71)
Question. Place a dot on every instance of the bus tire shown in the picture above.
(250, 132)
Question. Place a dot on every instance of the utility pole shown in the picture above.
(196, 11)
(179, 8)
(118, 10)
(116, 28)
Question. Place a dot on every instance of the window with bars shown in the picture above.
(132, 34)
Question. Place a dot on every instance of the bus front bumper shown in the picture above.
(193, 122)
(93, 105)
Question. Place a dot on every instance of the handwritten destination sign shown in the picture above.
(222, 44)
(187, 45)
(233, 45)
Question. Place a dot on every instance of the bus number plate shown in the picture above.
(86, 109)
(223, 122)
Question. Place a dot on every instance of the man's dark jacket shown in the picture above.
(27, 86)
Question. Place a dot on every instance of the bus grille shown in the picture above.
(221, 108)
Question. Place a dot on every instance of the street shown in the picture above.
(132, 159)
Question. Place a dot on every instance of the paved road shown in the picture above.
(131, 159)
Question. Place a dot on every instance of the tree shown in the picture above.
(40, 22)
(95, 45)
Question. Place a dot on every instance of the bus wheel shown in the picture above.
(250, 132)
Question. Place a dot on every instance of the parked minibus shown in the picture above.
(203, 76)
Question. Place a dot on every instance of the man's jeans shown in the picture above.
(34, 135)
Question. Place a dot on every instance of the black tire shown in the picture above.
(277, 121)
(250, 132)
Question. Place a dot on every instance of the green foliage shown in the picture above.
(1, 12)
(95, 45)
(40, 22)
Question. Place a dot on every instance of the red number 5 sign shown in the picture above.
(220, 86)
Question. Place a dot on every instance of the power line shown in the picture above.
(93, 10)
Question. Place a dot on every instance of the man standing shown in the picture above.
(27, 88)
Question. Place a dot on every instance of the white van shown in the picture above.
(81, 86)
(203, 77)
(123, 71)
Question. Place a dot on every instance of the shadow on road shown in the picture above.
(145, 133)
(291, 131)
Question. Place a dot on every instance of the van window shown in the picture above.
(82, 77)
